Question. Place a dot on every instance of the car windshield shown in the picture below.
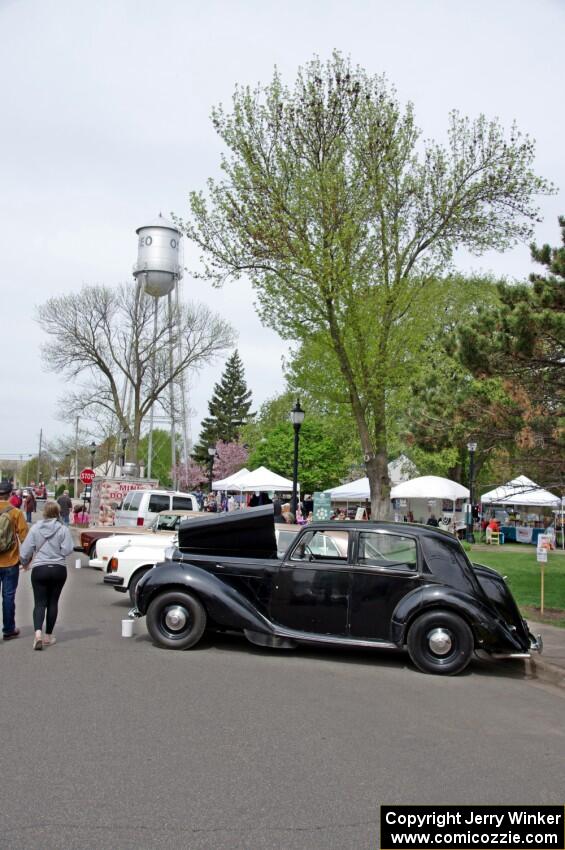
(165, 522)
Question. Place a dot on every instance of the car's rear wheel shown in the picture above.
(176, 620)
(133, 582)
(440, 642)
(92, 551)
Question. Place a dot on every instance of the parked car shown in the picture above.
(385, 585)
(127, 564)
(102, 544)
(141, 506)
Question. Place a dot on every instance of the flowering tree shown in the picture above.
(190, 475)
(229, 458)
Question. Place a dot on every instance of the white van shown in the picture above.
(141, 506)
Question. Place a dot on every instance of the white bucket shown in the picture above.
(127, 628)
(78, 564)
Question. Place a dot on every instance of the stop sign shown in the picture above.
(87, 476)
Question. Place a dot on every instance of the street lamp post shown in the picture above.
(123, 455)
(211, 455)
(472, 448)
(297, 418)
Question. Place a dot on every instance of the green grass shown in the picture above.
(523, 576)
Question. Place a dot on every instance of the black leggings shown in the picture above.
(47, 581)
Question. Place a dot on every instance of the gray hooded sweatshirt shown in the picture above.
(55, 541)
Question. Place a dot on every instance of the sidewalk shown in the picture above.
(550, 665)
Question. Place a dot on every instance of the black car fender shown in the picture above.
(224, 605)
(490, 632)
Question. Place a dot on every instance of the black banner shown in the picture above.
(472, 827)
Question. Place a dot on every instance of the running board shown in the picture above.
(288, 639)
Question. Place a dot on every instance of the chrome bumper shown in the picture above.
(536, 645)
(134, 613)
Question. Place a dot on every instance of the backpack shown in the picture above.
(7, 536)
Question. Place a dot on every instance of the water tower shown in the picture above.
(158, 271)
(158, 268)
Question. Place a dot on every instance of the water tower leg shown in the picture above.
(172, 395)
(186, 437)
(154, 382)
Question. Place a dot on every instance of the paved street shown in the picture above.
(111, 743)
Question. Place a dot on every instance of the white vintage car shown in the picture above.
(162, 526)
(130, 562)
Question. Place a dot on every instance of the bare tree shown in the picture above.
(103, 339)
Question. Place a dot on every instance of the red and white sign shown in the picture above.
(87, 476)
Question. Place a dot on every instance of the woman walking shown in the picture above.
(46, 548)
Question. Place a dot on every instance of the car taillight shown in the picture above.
(112, 565)
(140, 520)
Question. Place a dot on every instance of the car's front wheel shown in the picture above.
(440, 642)
(176, 620)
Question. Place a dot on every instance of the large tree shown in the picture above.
(341, 215)
(102, 339)
(229, 409)
(521, 345)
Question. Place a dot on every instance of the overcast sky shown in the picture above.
(105, 122)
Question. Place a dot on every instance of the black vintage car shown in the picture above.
(355, 584)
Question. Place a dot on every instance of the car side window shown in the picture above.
(379, 549)
(135, 500)
(158, 503)
(320, 546)
(182, 503)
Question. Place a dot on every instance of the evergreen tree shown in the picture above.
(228, 408)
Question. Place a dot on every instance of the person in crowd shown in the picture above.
(433, 521)
(277, 509)
(307, 505)
(16, 498)
(287, 514)
(13, 532)
(65, 506)
(254, 500)
(81, 515)
(45, 549)
(341, 515)
(30, 506)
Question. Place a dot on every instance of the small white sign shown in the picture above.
(542, 556)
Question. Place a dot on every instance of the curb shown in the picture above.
(543, 671)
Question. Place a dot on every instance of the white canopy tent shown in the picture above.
(263, 480)
(398, 470)
(430, 487)
(424, 487)
(350, 492)
(521, 491)
(231, 482)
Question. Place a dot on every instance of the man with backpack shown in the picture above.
(13, 530)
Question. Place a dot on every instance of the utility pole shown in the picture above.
(39, 456)
(75, 491)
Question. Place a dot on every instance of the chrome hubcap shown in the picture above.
(176, 618)
(439, 641)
